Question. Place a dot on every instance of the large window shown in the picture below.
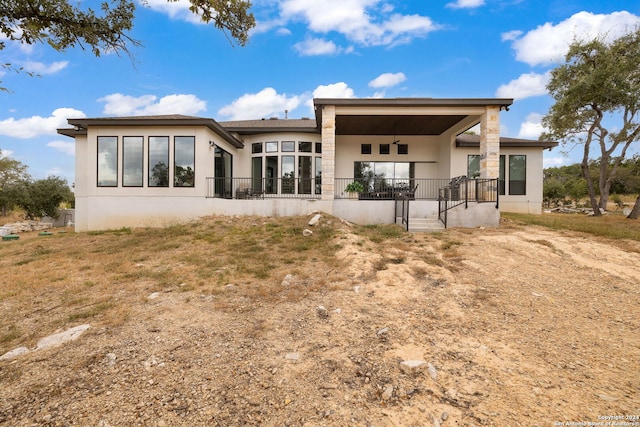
(271, 183)
(518, 175)
(304, 175)
(107, 161)
(184, 161)
(288, 175)
(377, 175)
(132, 161)
(288, 167)
(158, 161)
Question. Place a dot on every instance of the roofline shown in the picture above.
(413, 102)
(510, 142)
(150, 121)
(256, 130)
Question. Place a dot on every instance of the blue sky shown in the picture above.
(301, 49)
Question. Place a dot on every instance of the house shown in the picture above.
(411, 157)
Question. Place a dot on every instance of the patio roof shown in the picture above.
(406, 116)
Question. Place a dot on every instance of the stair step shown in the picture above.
(425, 224)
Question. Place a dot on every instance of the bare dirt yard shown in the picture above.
(522, 326)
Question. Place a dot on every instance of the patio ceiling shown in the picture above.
(398, 125)
(405, 116)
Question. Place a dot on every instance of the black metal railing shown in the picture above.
(389, 188)
(263, 188)
(462, 190)
(402, 210)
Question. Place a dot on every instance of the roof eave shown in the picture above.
(187, 121)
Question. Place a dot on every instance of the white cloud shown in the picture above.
(549, 162)
(4, 154)
(315, 46)
(41, 68)
(511, 35)
(178, 9)
(549, 43)
(366, 22)
(31, 127)
(118, 104)
(66, 147)
(265, 103)
(532, 127)
(387, 80)
(525, 86)
(335, 90)
(465, 4)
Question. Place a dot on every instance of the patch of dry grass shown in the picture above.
(609, 226)
(65, 279)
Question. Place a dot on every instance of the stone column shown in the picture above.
(490, 143)
(328, 151)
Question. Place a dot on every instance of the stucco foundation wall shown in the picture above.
(365, 212)
(521, 206)
(103, 213)
(476, 215)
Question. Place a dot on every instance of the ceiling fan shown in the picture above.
(395, 141)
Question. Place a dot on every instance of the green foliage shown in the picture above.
(62, 25)
(354, 187)
(45, 196)
(553, 192)
(595, 91)
(13, 181)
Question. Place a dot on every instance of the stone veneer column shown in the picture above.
(490, 143)
(328, 151)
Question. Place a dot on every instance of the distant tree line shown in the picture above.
(566, 184)
(36, 197)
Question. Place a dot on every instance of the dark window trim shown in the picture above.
(175, 165)
(141, 161)
(365, 148)
(97, 160)
(149, 169)
(524, 183)
(384, 149)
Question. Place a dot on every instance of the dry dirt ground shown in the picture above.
(524, 327)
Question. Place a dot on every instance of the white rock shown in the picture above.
(287, 280)
(412, 366)
(14, 353)
(432, 371)
(306, 232)
(62, 337)
(315, 220)
(292, 356)
(388, 392)
(154, 295)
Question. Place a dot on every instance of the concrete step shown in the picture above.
(430, 224)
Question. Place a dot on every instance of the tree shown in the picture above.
(13, 179)
(45, 196)
(62, 25)
(598, 89)
(553, 192)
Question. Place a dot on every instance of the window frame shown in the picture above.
(150, 167)
(126, 139)
(185, 183)
(518, 183)
(112, 139)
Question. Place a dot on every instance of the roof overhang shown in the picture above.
(81, 125)
(406, 116)
(473, 141)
